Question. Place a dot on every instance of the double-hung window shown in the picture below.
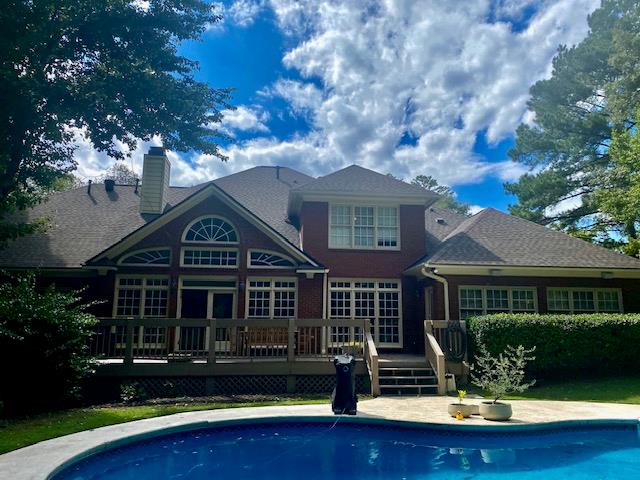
(483, 300)
(364, 227)
(584, 300)
(271, 298)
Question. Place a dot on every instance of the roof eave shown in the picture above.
(499, 270)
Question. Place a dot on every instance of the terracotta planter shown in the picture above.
(496, 411)
(454, 408)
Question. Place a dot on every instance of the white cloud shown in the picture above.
(473, 209)
(244, 12)
(245, 119)
(440, 73)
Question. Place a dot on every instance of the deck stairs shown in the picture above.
(406, 375)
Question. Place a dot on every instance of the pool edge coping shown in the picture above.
(323, 418)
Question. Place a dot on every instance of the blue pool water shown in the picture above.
(354, 451)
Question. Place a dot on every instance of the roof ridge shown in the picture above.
(467, 224)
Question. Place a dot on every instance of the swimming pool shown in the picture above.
(312, 450)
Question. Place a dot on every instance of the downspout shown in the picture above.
(431, 274)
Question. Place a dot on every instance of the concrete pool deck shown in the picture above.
(38, 461)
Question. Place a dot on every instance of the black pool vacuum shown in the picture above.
(343, 398)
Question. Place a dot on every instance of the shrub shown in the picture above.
(566, 344)
(43, 345)
(131, 392)
(502, 374)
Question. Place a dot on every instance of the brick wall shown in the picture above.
(363, 263)
(170, 235)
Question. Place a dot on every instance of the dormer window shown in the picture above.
(364, 227)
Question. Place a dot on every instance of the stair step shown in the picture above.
(408, 389)
(392, 381)
(406, 372)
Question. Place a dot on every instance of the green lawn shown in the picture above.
(612, 390)
(18, 433)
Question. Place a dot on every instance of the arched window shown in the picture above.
(160, 256)
(210, 230)
(259, 258)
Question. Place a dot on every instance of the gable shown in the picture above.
(205, 201)
(177, 233)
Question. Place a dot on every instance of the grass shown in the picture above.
(18, 433)
(624, 389)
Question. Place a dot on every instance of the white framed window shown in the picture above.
(209, 257)
(271, 297)
(137, 296)
(148, 257)
(481, 300)
(364, 227)
(210, 229)
(268, 259)
(377, 300)
(584, 300)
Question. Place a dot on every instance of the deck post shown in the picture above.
(291, 340)
(211, 357)
(128, 346)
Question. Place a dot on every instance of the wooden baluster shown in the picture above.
(211, 358)
(128, 349)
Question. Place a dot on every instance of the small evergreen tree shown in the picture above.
(43, 345)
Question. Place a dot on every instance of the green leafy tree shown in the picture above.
(502, 374)
(121, 173)
(65, 182)
(109, 69)
(447, 195)
(591, 91)
(619, 196)
(43, 345)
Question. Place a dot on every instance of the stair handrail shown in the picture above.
(435, 356)
(371, 358)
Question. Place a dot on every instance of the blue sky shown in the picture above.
(409, 88)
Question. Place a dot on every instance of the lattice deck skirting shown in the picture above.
(167, 387)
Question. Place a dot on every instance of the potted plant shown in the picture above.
(464, 409)
(500, 376)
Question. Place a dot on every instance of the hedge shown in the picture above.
(565, 344)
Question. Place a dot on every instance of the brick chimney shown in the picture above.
(155, 181)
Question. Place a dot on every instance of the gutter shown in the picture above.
(430, 273)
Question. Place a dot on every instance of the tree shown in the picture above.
(503, 374)
(619, 197)
(121, 173)
(43, 345)
(447, 195)
(65, 182)
(105, 69)
(592, 91)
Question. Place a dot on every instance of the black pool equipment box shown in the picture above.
(343, 398)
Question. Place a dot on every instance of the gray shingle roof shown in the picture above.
(495, 238)
(439, 223)
(82, 225)
(358, 180)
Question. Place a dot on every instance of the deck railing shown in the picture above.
(371, 357)
(220, 340)
(435, 356)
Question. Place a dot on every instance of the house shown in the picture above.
(272, 243)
